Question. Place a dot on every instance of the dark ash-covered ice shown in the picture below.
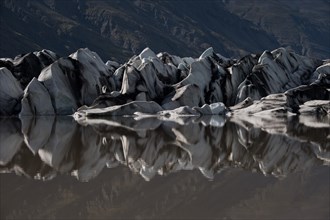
(271, 83)
(267, 113)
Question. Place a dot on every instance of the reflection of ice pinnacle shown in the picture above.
(149, 146)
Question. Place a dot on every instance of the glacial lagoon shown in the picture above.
(208, 167)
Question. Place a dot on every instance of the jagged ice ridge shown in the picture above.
(274, 83)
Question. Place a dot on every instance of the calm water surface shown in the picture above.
(146, 168)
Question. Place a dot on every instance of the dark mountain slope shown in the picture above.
(33, 25)
(121, 28)
(303, 25)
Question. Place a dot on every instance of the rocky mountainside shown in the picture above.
(118, 29)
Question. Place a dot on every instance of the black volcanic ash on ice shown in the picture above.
(280, 81)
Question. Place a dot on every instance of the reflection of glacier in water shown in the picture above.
(43, 147)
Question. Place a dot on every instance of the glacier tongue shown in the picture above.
(42, 83)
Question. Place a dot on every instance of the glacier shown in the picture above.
(277, 82)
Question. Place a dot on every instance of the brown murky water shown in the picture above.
(209, 168)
